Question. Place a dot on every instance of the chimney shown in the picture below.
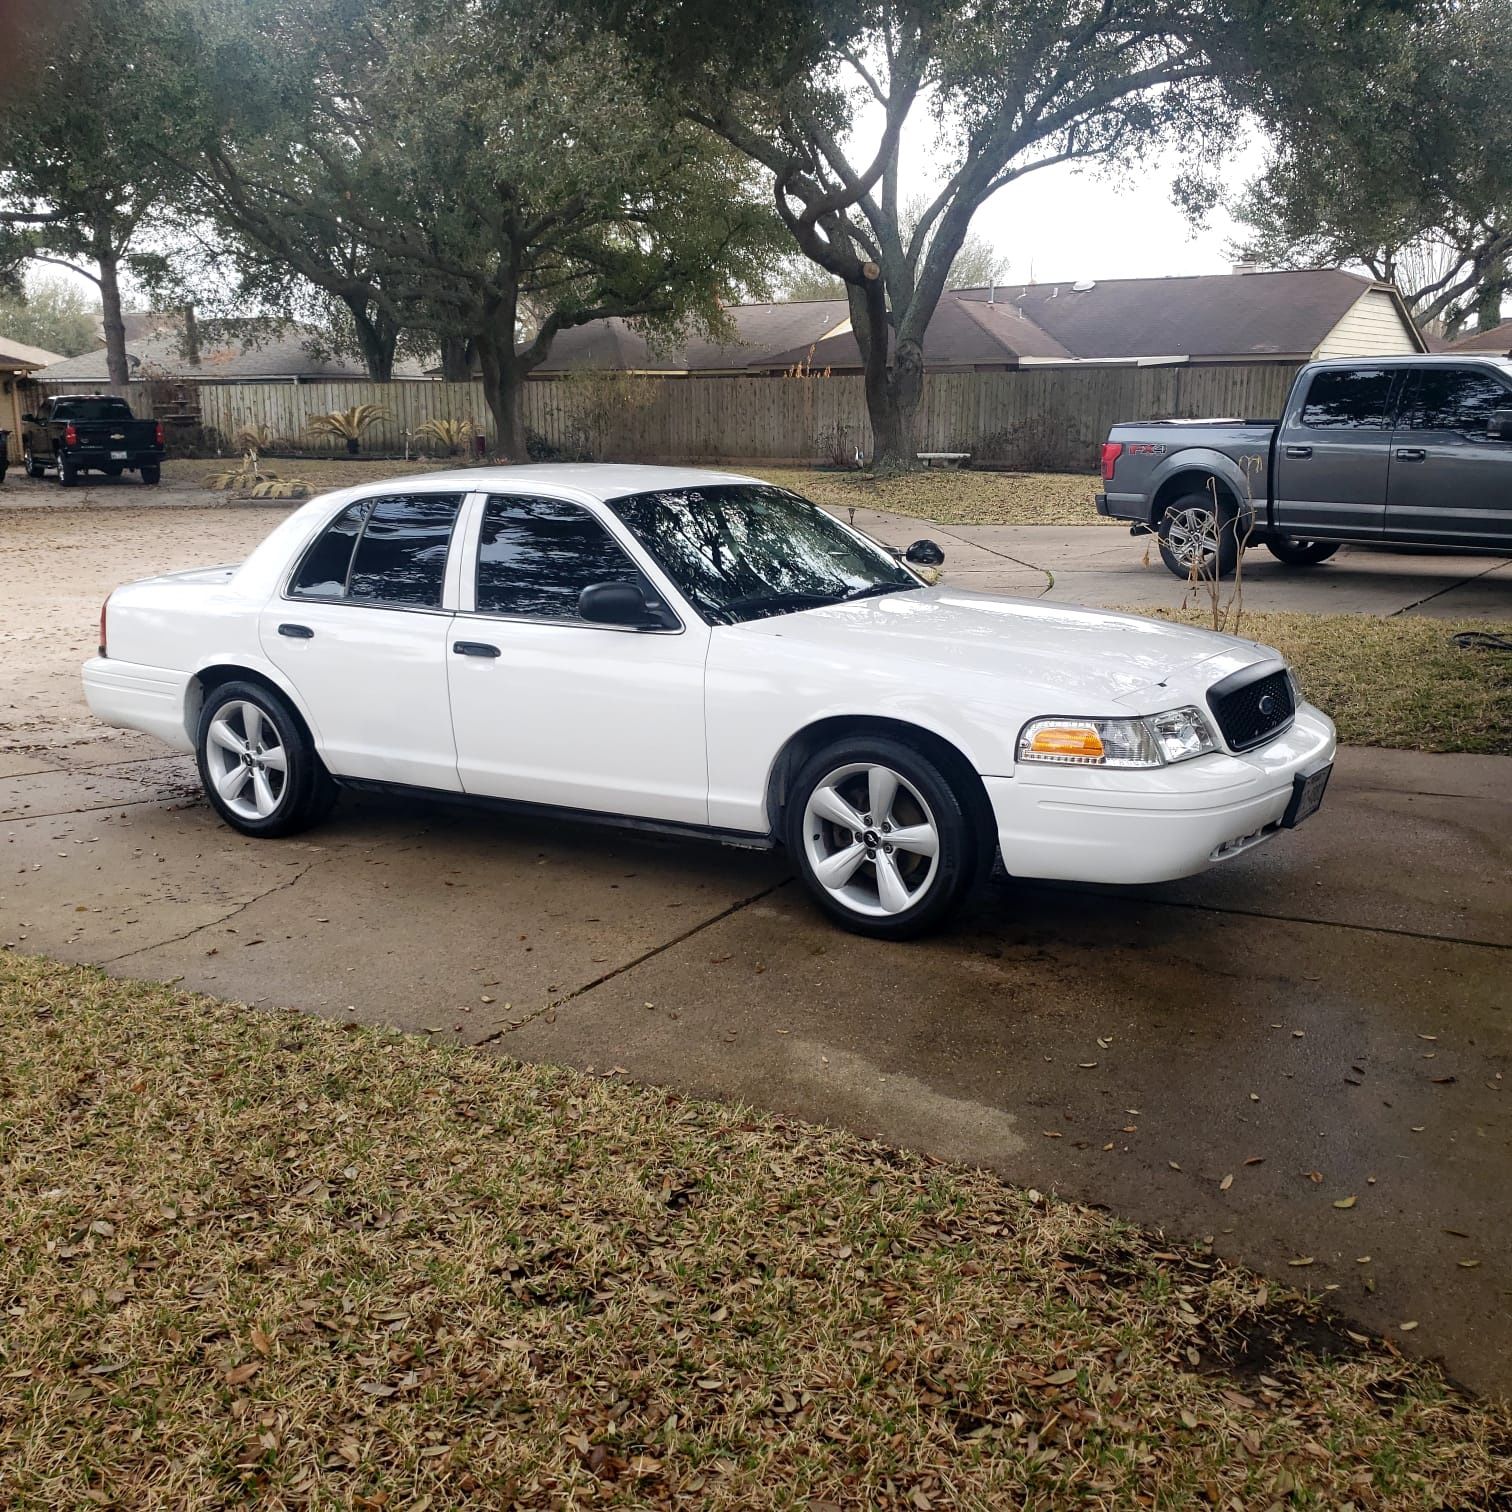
(1245, 267)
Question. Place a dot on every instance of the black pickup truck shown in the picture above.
(1385, 451)
(77, 433)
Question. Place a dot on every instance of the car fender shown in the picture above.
(1209, 463)
(253, 662)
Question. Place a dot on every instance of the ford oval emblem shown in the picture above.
(1268, 704)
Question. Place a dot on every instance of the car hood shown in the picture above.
(1087, 659)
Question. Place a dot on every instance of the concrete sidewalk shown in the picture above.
(1338, 1003)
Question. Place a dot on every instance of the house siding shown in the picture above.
(1373, 327)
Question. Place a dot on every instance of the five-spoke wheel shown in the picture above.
(261, 773)
(880, 836)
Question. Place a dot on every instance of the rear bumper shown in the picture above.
(105, 456)
(136, 697)
(1087, 825)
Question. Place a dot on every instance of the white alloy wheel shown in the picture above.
(871, 840)
(247, 760)
(1191, 533)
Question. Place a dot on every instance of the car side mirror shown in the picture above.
(924, 554)
(622, 604)
(28, 419)
(1500, 428)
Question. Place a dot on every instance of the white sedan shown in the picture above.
(702, 652)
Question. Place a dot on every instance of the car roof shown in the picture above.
(1418, 359)
(598, 480)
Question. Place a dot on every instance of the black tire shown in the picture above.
(1296, 552)
(1176, 516)
(34, 468)
(940, 882)
(306, 793)
(152, 472)
(68, 472)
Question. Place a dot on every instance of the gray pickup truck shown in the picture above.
(1386, 451)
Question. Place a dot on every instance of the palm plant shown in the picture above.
(254, 437)
(449, 434)
(347, 425)
(250, 480)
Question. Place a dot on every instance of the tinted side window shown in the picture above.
(401, 554)
(1349, 399)
(535, 556)
(323, 573)
(1454, 399)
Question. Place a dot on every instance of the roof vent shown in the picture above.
(1082, 285)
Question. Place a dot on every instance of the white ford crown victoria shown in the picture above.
(701, 651)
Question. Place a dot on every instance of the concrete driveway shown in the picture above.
(1323, 1019)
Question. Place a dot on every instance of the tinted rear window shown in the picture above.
(1349, 399)
(401, 555)
(92, 409)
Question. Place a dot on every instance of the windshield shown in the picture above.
(741, 551)
(91, 409)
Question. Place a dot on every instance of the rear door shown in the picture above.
(1333, 456)
(360, 629)
(1450, 484)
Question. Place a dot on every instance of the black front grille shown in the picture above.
(1252, 705)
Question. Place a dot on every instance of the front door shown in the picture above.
(1334, 456)
(361, 632)
(1450, 484)
(550, 709)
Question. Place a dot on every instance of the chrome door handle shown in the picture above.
(1411, 454)
(474, 648)
(297, 632)
(1299, 451)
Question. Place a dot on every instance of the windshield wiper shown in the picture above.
(876, 590)
(777, 603)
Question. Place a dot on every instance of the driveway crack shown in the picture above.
(225, 918)
(1007, 556)
(630, 965)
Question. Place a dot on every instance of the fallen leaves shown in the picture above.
(1345, 1202)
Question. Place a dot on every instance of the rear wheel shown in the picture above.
(880, 838)
(259, 769)
(1296, 552)
(152, 472)
(1199, 538)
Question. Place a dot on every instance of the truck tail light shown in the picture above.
(1111, 452)
(103, 608)
(71, 434)
(158, 437)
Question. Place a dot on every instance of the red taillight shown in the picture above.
(103, 608)
(71, 434)
(159, 437)
(1111, 452)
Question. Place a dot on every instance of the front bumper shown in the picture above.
(137, 697)
(1086, 824)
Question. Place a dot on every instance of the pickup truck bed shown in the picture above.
(1404, 451)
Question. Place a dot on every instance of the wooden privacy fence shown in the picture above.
(1044, 417)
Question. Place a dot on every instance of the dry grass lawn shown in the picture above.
(1402, 682)
(256, 1257)
(947, 497)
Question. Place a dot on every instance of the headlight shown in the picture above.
(1156, 740)
(1298, 696)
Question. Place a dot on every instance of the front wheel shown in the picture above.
(880, 838)
(1296, 552)
(34, 469)
(1199, 538)
(259, 769)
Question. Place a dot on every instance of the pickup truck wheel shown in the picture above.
(260, 771)
(68, 472)
(34, 469)
(1197, 542)
(152, 472)
(880, 838)
(1296, 552)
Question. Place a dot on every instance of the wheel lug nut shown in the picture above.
(888, 849)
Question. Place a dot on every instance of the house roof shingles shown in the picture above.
(1497, 340)
(17, 356)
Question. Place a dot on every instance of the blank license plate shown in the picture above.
(1307, 796)
(118, 456)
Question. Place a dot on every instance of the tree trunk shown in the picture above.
(894, 380)
(1488, 298)
(377, 337)
(457, 359)
(116, 365)
(504, 392)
